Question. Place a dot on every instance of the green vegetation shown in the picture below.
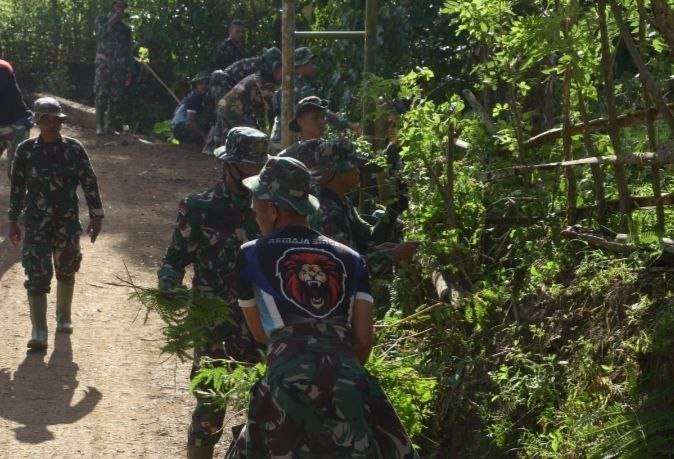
(552, 346)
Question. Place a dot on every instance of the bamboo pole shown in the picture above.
(288, 60)
(368, 105)
(450, 211)
(644, 74)
(652, 144)
(609, 98)
(590, 126)
(597, 173)
(571, 185)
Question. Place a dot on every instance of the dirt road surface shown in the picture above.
(104, 391)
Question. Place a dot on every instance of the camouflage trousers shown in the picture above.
(41, 260)
(229, 341)
(10, 138)
(317, 401)
(109, 79)
(216, 135)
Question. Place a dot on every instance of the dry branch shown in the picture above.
(630, 159)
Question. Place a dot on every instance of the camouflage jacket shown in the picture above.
(227, 53)
(113, 47)
(339, 220)
(44, 188)
(210, 228)
(248, 103)
(228, 78)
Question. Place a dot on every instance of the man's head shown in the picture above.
(338, 165)
(271, 63)
(309, 118)
(305, 63)
(48, 115)
(237, 31)
(281, 190)
(244, 153)
(119, 5)
(201, 81)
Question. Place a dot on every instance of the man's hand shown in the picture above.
(14, 233)
(405, 251)
(94, 228)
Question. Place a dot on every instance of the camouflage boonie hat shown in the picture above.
(303, 56)
(339, 155)
(48, 106)
(306, 151)
(244, 145)
(271, 58)
(201, 76)
(306, 105)
(285, 182)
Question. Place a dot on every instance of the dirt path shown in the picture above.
(105, 391)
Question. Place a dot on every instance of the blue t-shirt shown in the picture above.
(297, 275)
(193, 102)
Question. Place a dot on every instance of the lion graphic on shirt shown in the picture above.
(311, 279)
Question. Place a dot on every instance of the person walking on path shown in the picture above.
(114, 63)
(45, 175)
(15, 117)
(307, 297)
(209, 231)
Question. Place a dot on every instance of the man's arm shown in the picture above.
(178, 254)
(89, 183)
(361, 324)
(254, 323)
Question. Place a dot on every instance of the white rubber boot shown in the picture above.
(38, 319)
(64, 301)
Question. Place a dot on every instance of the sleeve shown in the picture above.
(363, 291)
(333, 224)
(89, 183)
(101, 25)
(17, 194)
(335, 121)
(194, 102)
(244, 288)
(179, 253)
(380, 262)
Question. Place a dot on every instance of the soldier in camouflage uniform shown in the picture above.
(209, 231)
(337, 169)
(305, 70)
(249, 102)
(114, 62)
(222, 81)
(15, 117)
(46, 172)
(308, 298)
(231, 49)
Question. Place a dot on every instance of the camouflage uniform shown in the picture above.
(227, 53)
(114, 58)
(303, 89)
(210, 228)
(44, 191)
(247, 104)
(316, 399)
(338, 218)
(222, 81)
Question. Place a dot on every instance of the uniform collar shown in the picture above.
(39, 141)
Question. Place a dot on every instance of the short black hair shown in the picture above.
(237, 22)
